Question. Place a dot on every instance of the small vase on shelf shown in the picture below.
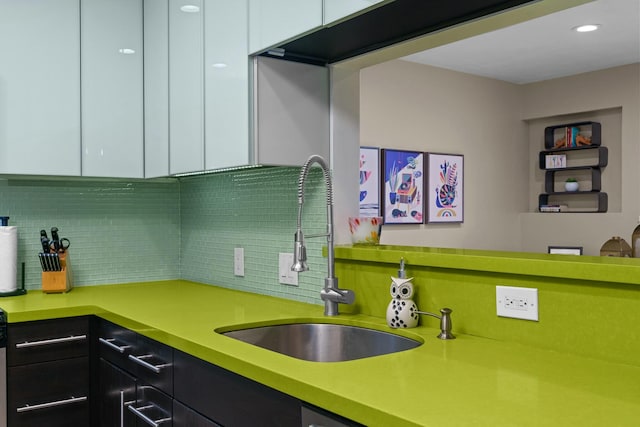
(571, 184)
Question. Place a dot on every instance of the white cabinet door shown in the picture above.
(336, 10)
(156, 88)
(186, 111)
(40, 87)
(226, 84)
(274, 21)
(292, 112)
(112, 91)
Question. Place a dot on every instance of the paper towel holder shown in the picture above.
(20, 291)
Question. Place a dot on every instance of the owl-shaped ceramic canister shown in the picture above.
(402, 312)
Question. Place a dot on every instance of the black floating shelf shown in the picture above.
(549, 139)
(549, 180)
(602, 199)
(603, 157)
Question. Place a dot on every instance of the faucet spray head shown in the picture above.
(299, 254)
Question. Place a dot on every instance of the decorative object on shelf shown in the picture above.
(565, 250)
(616, 246)
(555, 161)
(365, 230)
(402, 312)
(402, 186)
(571, 184)
(635, 242)
(572, 135)
(369, 181)
(445, 183)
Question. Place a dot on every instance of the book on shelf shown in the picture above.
(554, 208)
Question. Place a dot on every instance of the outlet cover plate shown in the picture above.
(238, 262)
(518, 303)
(285, 275)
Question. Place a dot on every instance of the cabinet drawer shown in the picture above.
(39, 341)
(152, 407)
(61, 400)
(144, 358)
(115, 343)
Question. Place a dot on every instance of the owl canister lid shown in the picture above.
(616, 246)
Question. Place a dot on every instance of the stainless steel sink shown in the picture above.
(324, 342)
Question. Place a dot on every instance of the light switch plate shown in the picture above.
(518, 303)
(285, 275)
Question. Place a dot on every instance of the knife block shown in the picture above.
(58, 281)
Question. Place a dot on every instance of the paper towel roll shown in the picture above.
(8, 258)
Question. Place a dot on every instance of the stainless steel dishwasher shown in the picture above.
(3, 369)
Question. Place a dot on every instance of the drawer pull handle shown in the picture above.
(72, 338)
(109, 342)
(71, 400)
(138, 413)
(140, 361)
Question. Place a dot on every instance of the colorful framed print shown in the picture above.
(402, 187)
(369, 181)
(445, 183)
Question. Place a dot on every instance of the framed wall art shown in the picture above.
(445, 183)
(369, 181)
(402, 187)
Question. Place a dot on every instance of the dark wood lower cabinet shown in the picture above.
(48, 373)
(230, 399)
(184, 416)
(116, 389)
(123, 379)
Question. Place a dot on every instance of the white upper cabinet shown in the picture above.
(226, 84)
(337, 10)
(186, 99)
(275, 21)
(39, 87)
(291, 112)
(112, 88)
(156, 88)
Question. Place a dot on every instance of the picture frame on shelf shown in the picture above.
(565, 250)
(402, 186)
(445, 188)
(369, 181)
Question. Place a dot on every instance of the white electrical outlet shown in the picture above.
(285, 275)
(519, 303)
(238, 262)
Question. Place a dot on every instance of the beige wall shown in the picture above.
(410, 106)
(612, 97)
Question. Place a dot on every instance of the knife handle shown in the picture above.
(44, 240)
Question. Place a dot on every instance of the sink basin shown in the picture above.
(324, 342)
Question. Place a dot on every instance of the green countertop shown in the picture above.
(463, 382)
(590, 268)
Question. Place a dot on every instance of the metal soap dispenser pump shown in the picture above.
(402, 312)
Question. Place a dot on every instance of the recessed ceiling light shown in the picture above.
(126, 51)
(190, 8)
(219, 65)
(586, 28)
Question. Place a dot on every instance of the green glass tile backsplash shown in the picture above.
(123, 231)
(255, 210)
(119, 231)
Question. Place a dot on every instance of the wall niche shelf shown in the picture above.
(573, 150)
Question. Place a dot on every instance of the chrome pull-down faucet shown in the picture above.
(330, 294)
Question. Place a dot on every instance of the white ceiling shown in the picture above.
(546, 48)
